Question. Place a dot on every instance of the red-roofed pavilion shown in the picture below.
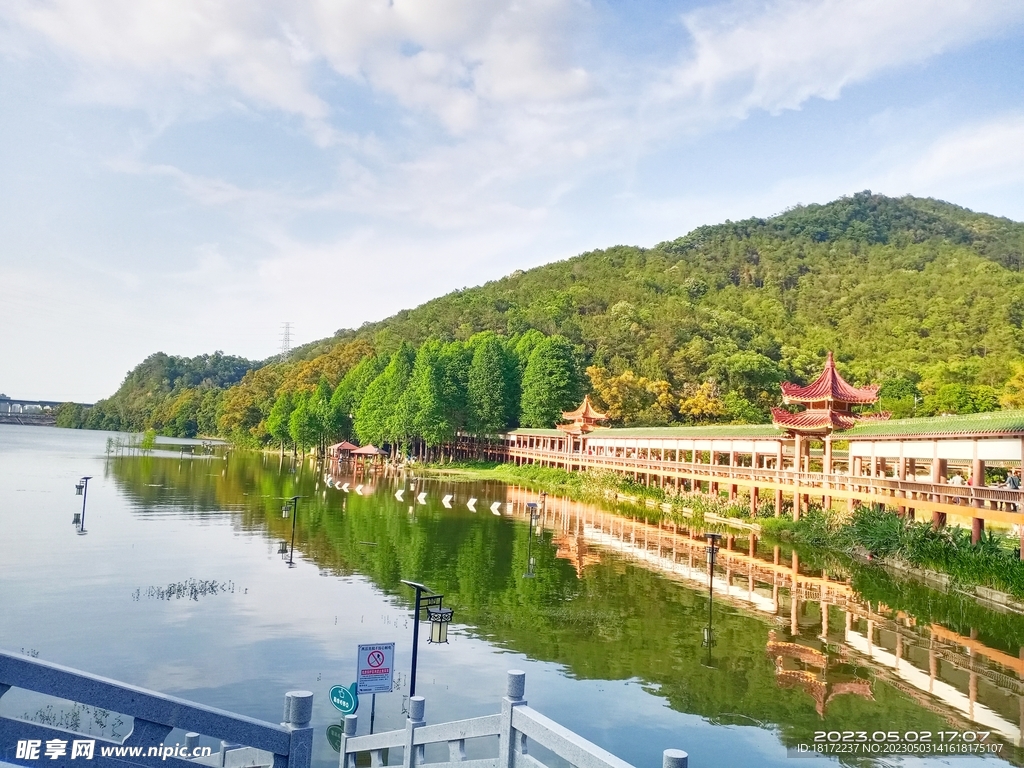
(828, 407)
(583, 419)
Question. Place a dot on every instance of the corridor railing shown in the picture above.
(515, 727)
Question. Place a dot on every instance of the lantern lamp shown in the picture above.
(708, 640)
(439, 619)
(79, 487)
(76, 519)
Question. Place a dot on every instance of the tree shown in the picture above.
(375, 419)
(701, 404)
(631, 399)
(551, 383)
(349, 393)
(1013, 391)
(323, 424)
(279, 420)
(422, 410)
(302, 427)
(491, 389)
(961, 398)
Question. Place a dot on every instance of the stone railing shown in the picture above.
(243, 740)
(515, 727)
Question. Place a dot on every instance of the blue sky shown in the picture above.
(186, 175)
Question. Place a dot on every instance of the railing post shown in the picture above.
(298, 712)
(413, 755)
(515, 689)
(674, 758)
(345, 760)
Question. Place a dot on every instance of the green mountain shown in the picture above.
(921, 295)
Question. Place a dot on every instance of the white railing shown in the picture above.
(244, 740)
(514, 727)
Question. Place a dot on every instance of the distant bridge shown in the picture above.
(16, 405)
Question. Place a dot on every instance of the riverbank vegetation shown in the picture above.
(993, 562)
(866, 532)
(921, 296)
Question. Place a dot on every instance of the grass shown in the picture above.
(993, 562)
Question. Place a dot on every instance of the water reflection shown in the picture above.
(802, 642)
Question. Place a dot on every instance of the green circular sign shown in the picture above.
(345, 699)
(334, 734)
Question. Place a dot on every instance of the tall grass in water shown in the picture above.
(992, 562)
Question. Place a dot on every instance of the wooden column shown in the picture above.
(753, 501)
(732, 465)
(794, 602)
(977, 523)
(826, 468)
(912, 476)
(938, 476)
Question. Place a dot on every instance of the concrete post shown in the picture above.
(515, 690)
(346, 760)
(674, 758)
(413, 755)
(298, 712)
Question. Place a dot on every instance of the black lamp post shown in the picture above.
(711, 549)
(291, 507)
(532, 506)
(439, 618)
(82, 489)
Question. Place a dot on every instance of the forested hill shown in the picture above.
(921, 295)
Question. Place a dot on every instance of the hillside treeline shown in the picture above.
(922, 296)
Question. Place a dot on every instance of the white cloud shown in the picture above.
(777, 55)
(449, 58)
(980, 156)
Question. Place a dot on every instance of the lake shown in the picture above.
(179, 585)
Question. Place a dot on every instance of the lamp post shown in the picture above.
(439, 618)
(82, 489)
(532, 506)
(291, 507)
(711, 549)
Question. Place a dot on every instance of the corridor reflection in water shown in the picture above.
(610, 627)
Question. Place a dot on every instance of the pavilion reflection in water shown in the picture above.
(834, 635)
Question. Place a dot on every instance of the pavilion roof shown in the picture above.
(822, 419)
(586, 412)
(344, 445)
(369, 450)
(829, 386)
(811, 420)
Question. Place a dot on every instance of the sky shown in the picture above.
(186, 176)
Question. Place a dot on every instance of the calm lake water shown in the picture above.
(179, 586)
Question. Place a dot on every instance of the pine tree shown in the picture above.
(350, 390)
(423, 404)
(490, 387)
(279, 420)
(301, 423)
(551, 383)
(375, 418)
